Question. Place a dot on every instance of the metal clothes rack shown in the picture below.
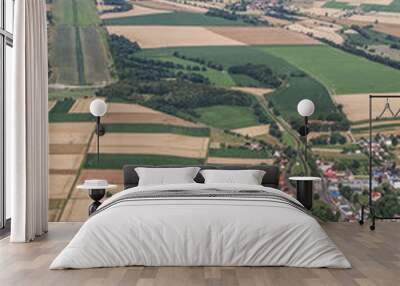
(370, 203)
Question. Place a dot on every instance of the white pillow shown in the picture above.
(248, 177)
(166, 176)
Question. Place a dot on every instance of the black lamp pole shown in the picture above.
(305, 137)
(98, 138)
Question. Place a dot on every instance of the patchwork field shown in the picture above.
(356, 106)
(264, 36)
(340, 71)
(152, 143)
(170, 36)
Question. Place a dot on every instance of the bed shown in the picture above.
(198, 224)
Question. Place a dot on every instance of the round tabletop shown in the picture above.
(305, 178)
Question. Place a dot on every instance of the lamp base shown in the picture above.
(101, 130)
(304, 130)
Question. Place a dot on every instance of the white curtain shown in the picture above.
(27, 124)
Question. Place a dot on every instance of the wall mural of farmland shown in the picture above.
(218, 82)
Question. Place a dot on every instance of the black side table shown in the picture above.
(305, 190)
(96, 194)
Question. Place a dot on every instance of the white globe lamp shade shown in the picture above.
(305, 107)
(98, 107)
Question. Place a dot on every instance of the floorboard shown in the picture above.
(375, 257)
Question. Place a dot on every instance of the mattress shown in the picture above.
(201, 225)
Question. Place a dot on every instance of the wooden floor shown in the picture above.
(375, 257)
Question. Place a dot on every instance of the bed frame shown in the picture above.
(271, 178)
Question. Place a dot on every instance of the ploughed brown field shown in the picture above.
(178, 36)
(60, 185)
(65, 161)
(264, 36)
(70, 132)
(153, 143)
(388, 29)
(172, 36)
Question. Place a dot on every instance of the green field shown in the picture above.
(76, 12)
(117, 161)
(174, 19)
(157, 128)
(62, 106)
(95, 57)
(393, 7)
(226, 116)
(341, 72)
(63, 55)
(338, 5)
(235, 152)
(70, 117)
(78, 53)
(59, 113)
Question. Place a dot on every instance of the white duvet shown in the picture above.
(200, 231)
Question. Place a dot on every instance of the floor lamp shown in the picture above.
(305, 108)
(98, 108)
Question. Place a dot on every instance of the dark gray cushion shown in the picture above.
(270, 179)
